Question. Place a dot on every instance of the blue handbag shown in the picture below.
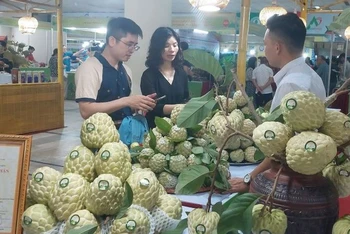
(133, 129)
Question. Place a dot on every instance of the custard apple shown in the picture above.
(248, 127)
(245, 110)
(309, 153)
(41, 184)
(114, 158)
(68, 195)
(80, 219)
(231, 103)
(237, 156)
(148, 138)
(81, 161)
(144, 157)
(239, 98)
(98, 130)
(157, 163)
(199, 221)
(337, 126)
(245, 143)
(171, 205)
(169, 122)
(176, 112)
(342, 226)
(105, 195)
(303, 111)
(167, 180)
(136, 220)
(145, 187)
(184, 148)
(224, 154)
(224, 171)
(249, 154)
(200, 142)
(191, 160)
(201, 132)
(38, 218)
(162, 190)
(177, 163)
(274, 222)
(272, 137)
(340, 176)
(29, 199)
(136, 166)
(177, 134)
(164, 145)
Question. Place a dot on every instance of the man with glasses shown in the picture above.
(103, 82)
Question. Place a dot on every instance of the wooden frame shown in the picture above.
(14, 167)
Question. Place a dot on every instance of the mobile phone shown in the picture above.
(160, 98)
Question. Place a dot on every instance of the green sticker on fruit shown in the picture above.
(131, 225)
(64, 182)
(213, 129)
(27, 221)
(74, 154)
(105, 155)
(291, 104)
(103, 185)
(347, 124)
(344, 173)
(269, 135)
(39, 177)
(90, 127)
(200, 229)
(74, 220)
(144, 183)
(310, 146)
(264, 232)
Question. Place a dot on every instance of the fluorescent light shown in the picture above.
(225, 50)
(317, 7)
(101, 30)
(71, 28)
(85, 44)
(305, 55)
(252, 52)
(209, 8)
(200, 31)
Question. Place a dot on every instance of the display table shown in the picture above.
(5, 78)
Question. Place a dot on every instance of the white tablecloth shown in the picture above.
(5, 78)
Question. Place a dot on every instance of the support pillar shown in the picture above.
(60, 56)
(303, 10)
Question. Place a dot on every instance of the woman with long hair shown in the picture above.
(165, 75)
(250, 88)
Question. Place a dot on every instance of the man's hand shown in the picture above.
(142, 103)
(237, 186)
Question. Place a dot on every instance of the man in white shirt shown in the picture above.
(284, 43)
(262, 80)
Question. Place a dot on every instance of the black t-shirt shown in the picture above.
(153, 81)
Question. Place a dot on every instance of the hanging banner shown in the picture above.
(317, 23)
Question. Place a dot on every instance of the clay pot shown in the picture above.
(310, 202)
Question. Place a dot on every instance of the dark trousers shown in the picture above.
(262, 99)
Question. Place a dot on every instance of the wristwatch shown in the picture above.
(247, 179)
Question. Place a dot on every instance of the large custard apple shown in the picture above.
(224, 154)
(248, 127)
(342, 226)
(144, 157)
(249, 154)
(337, 126)
(41, 184)
(98, 130)
(29, 199)
(272, 137)
(164, 145)
(231, 103)
(80, 219)
(184, 148)
(239, 98)
(340, 176)
(157, 134)
(191, 160)
(105, 195)
(157, 163)
(167, 180)
(68, 195)
(169, 122)
(272, 222)
(199, 221)
(237, 156)
(203, 124)
(245, 110)
(171, 205)
(145, 187)
(177, 163)
(176, 112)
(303, 111)
(38, 218)
(245, 143)
(136, 220)
(81, 161)
(309, 153)
(177, 134)
(200, 142)
(114, 158)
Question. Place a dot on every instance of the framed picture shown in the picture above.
(14, 166)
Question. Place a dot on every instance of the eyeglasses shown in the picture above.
(130, 46)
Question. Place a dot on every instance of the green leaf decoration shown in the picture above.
(198, 150)
(88, 229)
(198, 159)
(127, 200)
(275, 115)
(191, 179)
(162, 124)
(180, 228)
(212, 152)
(238, 213)
(195, 112)
(221, 181)
(153, 140)
(204, 61)
(258, 156)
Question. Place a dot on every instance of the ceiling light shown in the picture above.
(269, 11)
(209, 5)
(200, 31)
(101, 30)
(317, 7)
(27, 25)
(347, 33)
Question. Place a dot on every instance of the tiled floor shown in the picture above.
(50, 148)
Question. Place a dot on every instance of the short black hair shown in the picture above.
(342, 55)
(157, 45)
(251, 62)
(290, 29)
(119, 27)
(31, 48)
